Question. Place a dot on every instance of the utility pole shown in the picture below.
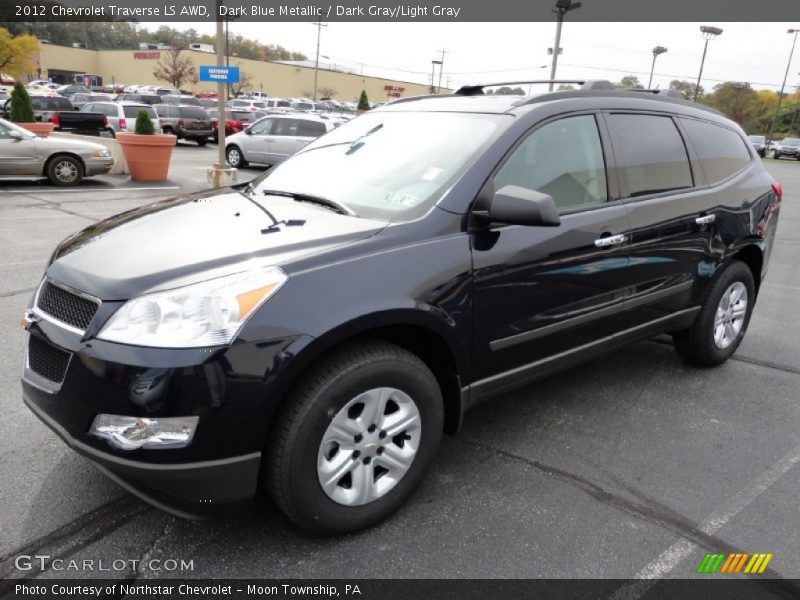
(783, 85)
(441, 68)
(561, 8)
(433, 74)
(319, 25)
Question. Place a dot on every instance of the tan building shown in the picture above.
(62, 63)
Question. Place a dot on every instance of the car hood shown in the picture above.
(194, 238)
(52, 144)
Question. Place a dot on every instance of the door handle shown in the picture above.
(611, 240)
(269, 139)
(705, 219)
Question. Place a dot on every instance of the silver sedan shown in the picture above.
(62, 161)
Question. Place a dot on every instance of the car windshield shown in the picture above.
(390, 165)
(132, 111)
(790, 142)
(757, 138)
(9, 126)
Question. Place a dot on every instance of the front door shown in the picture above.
(256, 146)
(18, 157)
(544, 291)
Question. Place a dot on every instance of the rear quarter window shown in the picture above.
(191, 112)
(651, 152)
(310, 129)
(720, 151)
(131, 112)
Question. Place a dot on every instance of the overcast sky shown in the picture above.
(491, 52)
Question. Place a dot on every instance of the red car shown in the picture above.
(235, 120)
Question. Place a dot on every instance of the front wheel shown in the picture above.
(235, 157)
(355, 439)
(64, 171)
(201, 142)
(722, 322)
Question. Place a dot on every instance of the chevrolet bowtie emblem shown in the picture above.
(28, 319)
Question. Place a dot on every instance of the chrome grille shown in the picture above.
(47, 361)
(65, 306)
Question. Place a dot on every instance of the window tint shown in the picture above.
(652, 154)
(131, 112)
(721, 151)
(310, 129)
(190, 112)
(286, 127)
(563, 159)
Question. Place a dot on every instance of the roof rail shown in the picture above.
(591, 84)
(662, 92)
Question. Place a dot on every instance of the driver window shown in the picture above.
(5, 132)
(563, 159)
(262, 127)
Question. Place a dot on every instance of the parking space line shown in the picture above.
(680, 550)
(85, 191)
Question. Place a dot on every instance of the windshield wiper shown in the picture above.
(245, 192)
(326, 202)
(353, 144)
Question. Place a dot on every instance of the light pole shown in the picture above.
(433, 72)
(783, 85)
(319, 25)
(561, 8)
(441, 68)
(709, 33)
(656, 51)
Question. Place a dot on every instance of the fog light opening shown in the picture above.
(132, 433)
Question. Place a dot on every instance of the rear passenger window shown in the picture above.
(286, 127)
(310, 129)
(721, 152)
(651, 154)
(563, 159)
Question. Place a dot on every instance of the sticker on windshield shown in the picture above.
(402, 199)
(431, 173)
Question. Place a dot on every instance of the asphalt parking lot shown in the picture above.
(633, 465)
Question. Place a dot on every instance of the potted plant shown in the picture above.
(363, 102)
(21, 112)
(146, 152)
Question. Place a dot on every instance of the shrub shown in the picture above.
(144, 126)
(21, 109)
(363, 102)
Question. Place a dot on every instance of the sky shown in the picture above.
(491, 52)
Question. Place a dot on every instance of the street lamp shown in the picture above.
(433, 71)
(319, 25)
(656, 51)
(561, 8)
(783, 85)
(709, 33)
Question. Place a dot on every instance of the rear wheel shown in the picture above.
(355, 439)
(235, 157)
(64, 171)
(201, 142)
(722, 322)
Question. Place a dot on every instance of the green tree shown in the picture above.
(144, 126)
(363, 101)
(686, 88)
(508, 91)
(629, 81)
(737, 101)
(565, 87)
(21, 109)
(17, 53)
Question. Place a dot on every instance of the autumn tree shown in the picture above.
(686, 88)
(630, 82)
(17, 54)
(327, 92)
(175, 67)
(245, 81)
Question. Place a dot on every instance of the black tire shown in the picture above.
(235, 157)
(168, 131)
(696, 344)
(112, 132)
(201, 142)
(291, 474)
(64, 170)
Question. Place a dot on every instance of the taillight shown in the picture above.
(56, 120)
(778, 189)
(105, 121)
(123, 124)
(180, 122)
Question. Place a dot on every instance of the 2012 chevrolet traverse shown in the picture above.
(310, 335)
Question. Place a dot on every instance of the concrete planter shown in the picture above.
(147, 156)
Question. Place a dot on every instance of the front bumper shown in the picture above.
(98, 166)
(232, 391)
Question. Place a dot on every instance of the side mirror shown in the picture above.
(15, 135)
(247, 131)
(520, 206)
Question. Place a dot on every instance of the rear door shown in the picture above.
(307, 132)
(542, 292)
(284, 139)
(672, 218)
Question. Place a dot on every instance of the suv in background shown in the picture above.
(759, 144)
(273, 139)
(122, 115)
(185, 122)
(313, 335)
(789, 147)
(140, 98)
(184, 100)
(245, 104)
(79, 99)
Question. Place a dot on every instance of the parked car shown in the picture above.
(44, 106)
(138, 98)
(24, 155)
(278, 104)
(68, 90)
(326, 322)
(186, 122)
(273, 139)
(81, 98)
(759, 143)
(121, 116)
(246, 104)
(232, 125)
(789, 147)
(184, 100)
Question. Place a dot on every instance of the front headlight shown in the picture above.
(202, 314)
(104, 153)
